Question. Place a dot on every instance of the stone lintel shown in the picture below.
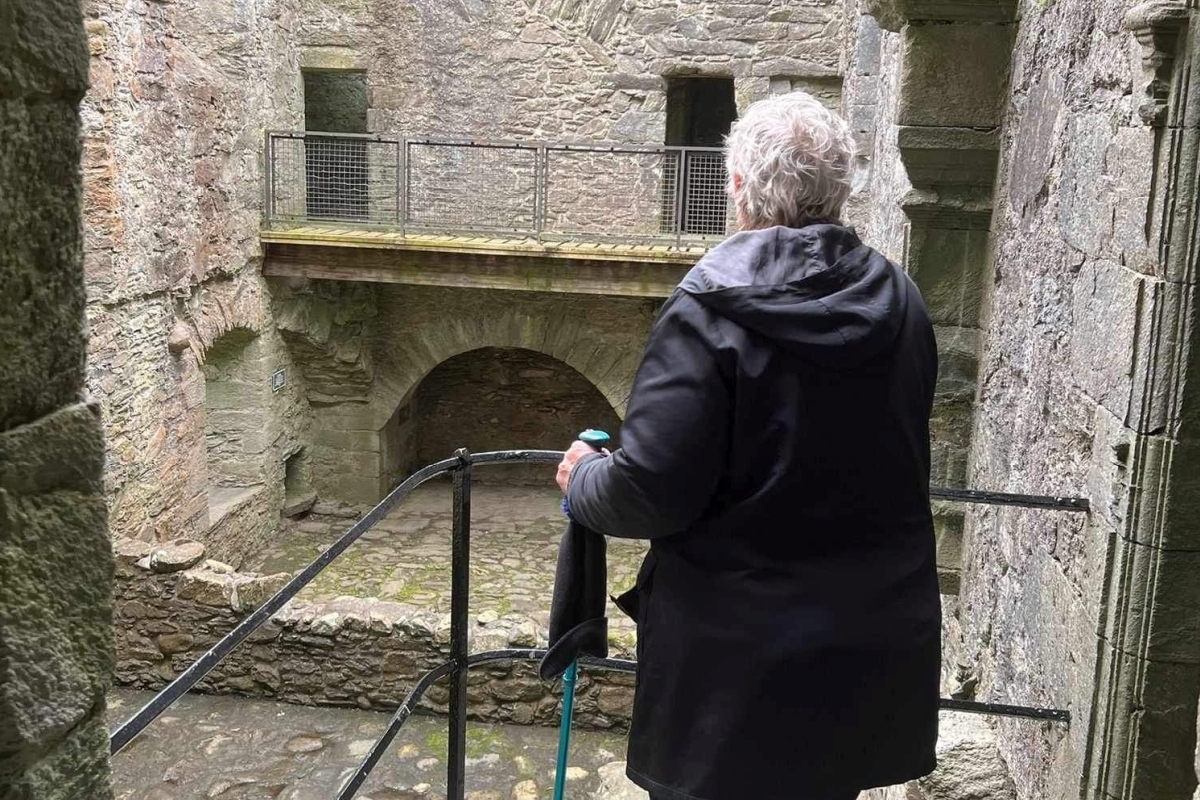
(892, 15)
(332, 57)
(1157, 25)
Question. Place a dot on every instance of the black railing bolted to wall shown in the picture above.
(461, 468)
(591, 191)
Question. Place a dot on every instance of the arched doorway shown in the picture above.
(496, 398)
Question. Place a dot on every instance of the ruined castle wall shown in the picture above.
(1073, 269)
(555, 70)
(55, 561)
(181, 96)
(173, 124)
(173, 604)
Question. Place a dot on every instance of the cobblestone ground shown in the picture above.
(237, 749)
(406, 557)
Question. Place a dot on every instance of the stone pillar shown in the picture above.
(55, 557)
(1143, 740)
(948, 124)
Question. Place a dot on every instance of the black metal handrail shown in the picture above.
(461, 468)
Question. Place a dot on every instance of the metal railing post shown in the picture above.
(541, 185)
(680, 169)
(269, 176)
(460, 575)
(400, 185)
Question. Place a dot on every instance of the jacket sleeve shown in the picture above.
(673, 440)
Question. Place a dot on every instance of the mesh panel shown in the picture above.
(471, 187)
(334, 178)
(605, 192)
(705, 206)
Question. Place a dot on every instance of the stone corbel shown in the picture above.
(1157, 26)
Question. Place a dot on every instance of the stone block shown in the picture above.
(970, 766)
(949, 266)
(63, 450)
(56, 573)
(893, 14)
(1166, 628)
(176, 556)
(206, 588)
(76, 767)
(1085, 207)
(949, 156)
(941, 88)
(958, 362)
(868, 47)
(1153, 723)
(253, 593)
(43, 51)
(40, 265)
(1105, 301)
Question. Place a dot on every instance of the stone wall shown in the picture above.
(555, 70)
(55, 563)
(1084, 390)
(494, 399)
(172, 604)
(173, 123)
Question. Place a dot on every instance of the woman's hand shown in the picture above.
(575, 452)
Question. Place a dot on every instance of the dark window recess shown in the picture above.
(700, 112)
(338, 177)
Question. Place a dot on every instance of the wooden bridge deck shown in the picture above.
(484, 261)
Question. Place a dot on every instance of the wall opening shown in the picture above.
(335, 101)
(234, 435)
(496, 399)
(700, 113)
(298, 494)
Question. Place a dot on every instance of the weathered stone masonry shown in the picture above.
(172, 604)
(1088, 275)
(55, 557)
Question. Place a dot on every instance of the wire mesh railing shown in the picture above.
(590, 192)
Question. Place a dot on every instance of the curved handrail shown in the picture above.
(187, 679)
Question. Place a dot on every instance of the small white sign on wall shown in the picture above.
(278, 379)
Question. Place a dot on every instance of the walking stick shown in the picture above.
(597, 440)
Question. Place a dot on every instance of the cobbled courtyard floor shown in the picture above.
(238, 749)
(514, 543)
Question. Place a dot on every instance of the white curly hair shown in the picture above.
(790, 162)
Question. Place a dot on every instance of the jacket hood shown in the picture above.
(817, 291)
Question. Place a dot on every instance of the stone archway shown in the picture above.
(417, 329)
(493, 398)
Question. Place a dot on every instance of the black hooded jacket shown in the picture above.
(776, 453)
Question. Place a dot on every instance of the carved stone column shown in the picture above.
(948, 120)
(1148, 677)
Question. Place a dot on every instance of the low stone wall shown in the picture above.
(172, 604)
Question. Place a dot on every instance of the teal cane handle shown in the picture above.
(597, 440)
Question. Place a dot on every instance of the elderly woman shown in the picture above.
(776, 455)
